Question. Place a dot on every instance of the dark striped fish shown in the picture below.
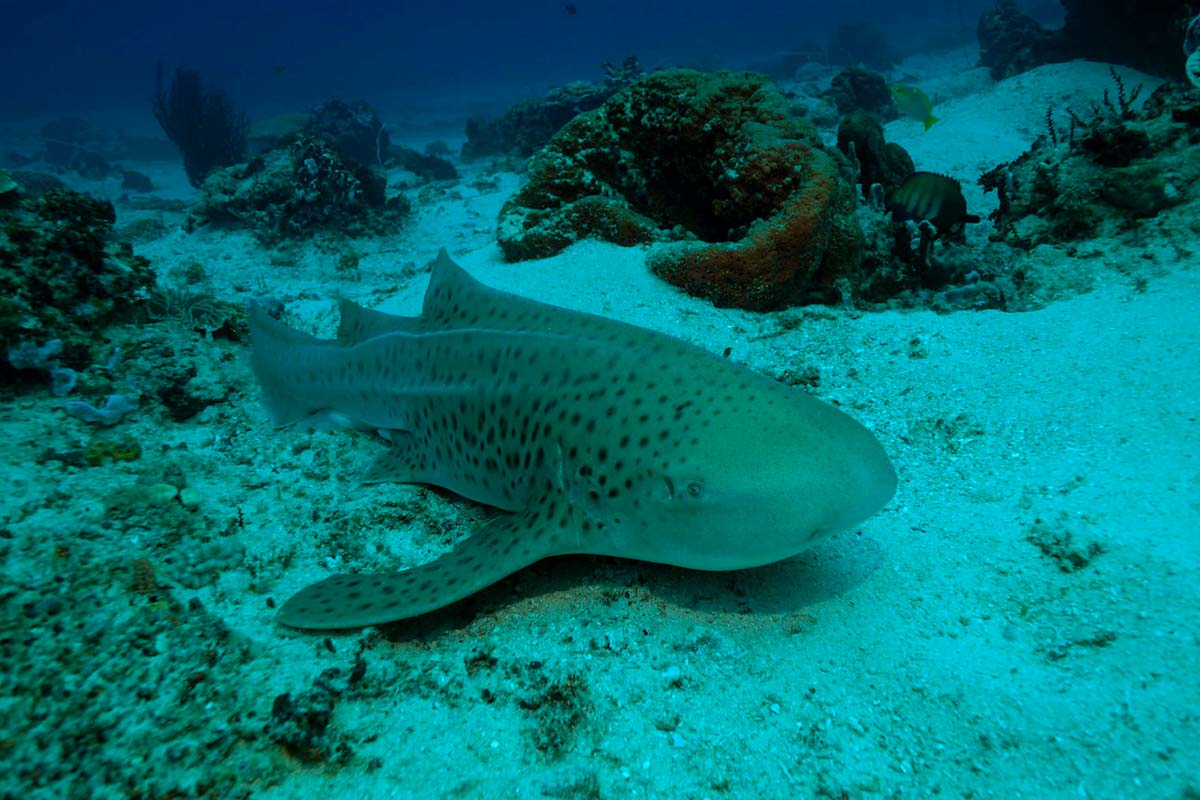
(933, 197)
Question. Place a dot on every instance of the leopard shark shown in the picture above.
(585, 434)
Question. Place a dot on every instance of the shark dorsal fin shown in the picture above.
(453, 295)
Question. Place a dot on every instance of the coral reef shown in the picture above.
(353, 128)
(115, 407)
(1191, 49)
(61, 274)
(1012, 42)
(34, 184)
(355, 131)
(558, 705)
(197, 310)
(44, 357)
(102, 449)
(860, 89)
(618, 77)
(297, 191)
(528, 125)
(786, 65)
(137, 182)
(1142, 35)
(300, 722)
(910, 264)
(185, 389)
(1105, 173)
(759, 213)
(860, 138)
(73, 144)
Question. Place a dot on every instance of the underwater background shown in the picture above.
(971, 228)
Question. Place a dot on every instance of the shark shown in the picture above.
(585, 434)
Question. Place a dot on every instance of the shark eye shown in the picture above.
(693, 489)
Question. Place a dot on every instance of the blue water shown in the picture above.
(72, 57)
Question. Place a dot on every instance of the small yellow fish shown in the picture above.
(914, 104)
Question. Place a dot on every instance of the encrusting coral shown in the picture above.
(755, 206)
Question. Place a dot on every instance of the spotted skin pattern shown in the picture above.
(590, 435)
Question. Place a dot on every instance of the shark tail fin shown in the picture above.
(277, 355)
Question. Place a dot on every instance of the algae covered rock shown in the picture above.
(1012, 42)
(1133, 33)
(859, 89)
(756, 210)
(62, 274)
(879, 162)
(297, 191)
(353, 128)
(530, 123)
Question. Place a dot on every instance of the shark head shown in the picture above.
(754, 488)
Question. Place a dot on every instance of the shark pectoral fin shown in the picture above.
(498, 549)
